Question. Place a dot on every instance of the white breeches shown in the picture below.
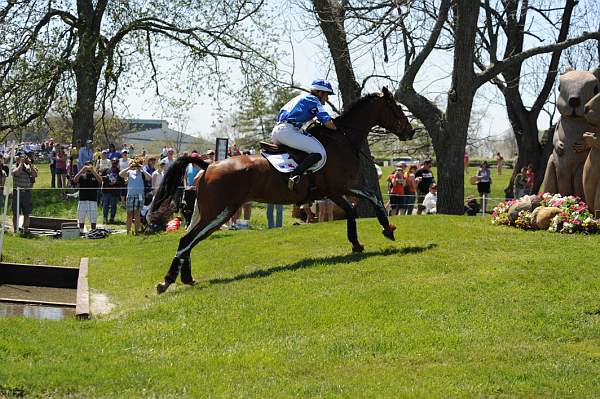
(285, 133)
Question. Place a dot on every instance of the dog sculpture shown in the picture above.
(591, 168)
(564, 172)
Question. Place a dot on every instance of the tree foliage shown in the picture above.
(88, 51)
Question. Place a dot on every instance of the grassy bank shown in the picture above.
(456, 307)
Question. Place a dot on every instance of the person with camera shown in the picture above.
(88, 181)
(24, 174)
(134, 176)
(396, 184)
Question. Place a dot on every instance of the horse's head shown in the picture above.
(393, 118)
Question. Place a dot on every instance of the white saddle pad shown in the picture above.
(285, 164)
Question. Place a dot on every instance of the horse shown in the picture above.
(223, 186)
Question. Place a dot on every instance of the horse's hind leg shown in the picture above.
(351, 222)
(181, 262)
(382, 217)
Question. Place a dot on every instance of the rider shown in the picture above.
(293, 115)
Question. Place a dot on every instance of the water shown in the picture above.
(41, 312)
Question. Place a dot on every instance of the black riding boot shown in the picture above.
(309, 161)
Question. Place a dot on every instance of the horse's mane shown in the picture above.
(357, 104)
(321, 132)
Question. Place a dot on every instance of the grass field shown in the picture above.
(455, 307)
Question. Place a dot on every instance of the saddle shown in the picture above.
(274, 149)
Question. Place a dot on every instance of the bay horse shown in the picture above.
(225, 185)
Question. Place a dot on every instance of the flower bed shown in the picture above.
(574, 217)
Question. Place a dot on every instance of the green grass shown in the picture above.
(455, 307)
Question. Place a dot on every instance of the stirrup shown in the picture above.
(292, 181)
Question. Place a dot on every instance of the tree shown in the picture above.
(417, 28)
(508, 23)
(52, 48)
(331, 15)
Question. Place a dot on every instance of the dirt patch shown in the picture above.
(100, 304)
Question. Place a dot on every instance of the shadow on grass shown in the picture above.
(327, 261)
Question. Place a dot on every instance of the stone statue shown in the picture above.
(564, 172)
(591, 169)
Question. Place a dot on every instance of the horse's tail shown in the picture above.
(173, 179)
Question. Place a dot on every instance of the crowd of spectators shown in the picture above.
(107, 178)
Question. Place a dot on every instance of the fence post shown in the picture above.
(18, 209)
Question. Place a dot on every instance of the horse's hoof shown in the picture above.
(389, 234)
(358, 248)
(161, 287)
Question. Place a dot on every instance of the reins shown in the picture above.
(357, 149)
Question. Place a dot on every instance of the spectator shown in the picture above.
(484, 181)
(73, 152)
(210, 156)
(88, 181)
(520, 183)
(466, 163)
(85, 154)
(430, 200)
(247, 212)
(158, 175)
(164, 151)
(133, 176)
(24, 174)
(60, 162)
(325, 210)
(170, 160)
(189, 193)
(112, 152)
(97, 155)
(530, 174)
(53, 168)
(471, 206)
(111, 191)
(3, 175)
(150, 169)
(424, 179)
(307, 208)
(103, 163)
(234, 151)
(396, 184)
(410, 189)
(499, 163)
(278, 222)
(124, 160)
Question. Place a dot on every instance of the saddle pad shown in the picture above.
(284, 163)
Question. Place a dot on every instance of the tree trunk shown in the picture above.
(530, 152)
(83, 116)
(331, 19)
(87, 67)
(450, 144)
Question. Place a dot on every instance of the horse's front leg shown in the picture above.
(351, 222)
(382, 217)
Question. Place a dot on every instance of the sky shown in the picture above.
(312, 61)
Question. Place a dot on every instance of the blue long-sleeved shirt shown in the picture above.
(301, 109)
(85, 154)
